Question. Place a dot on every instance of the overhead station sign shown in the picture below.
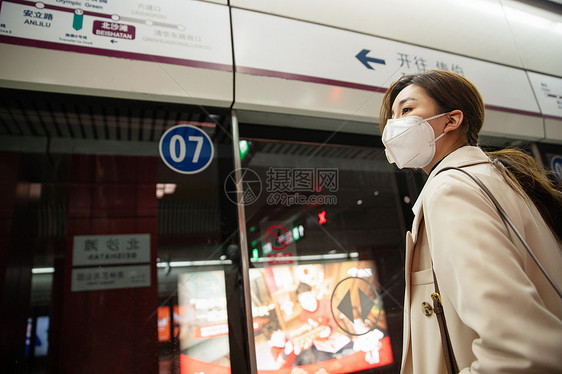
(275, 46)
(548, 90)
(184, 32)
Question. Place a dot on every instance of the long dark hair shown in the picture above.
(521, 171)
(524, 173)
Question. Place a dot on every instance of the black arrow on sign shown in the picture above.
(345, 306)
(365, 301)
(362, 56)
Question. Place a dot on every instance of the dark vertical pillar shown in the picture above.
(110, 331)
(15, 273)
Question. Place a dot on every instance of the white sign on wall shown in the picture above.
(106, 262)
(548, 91)
(184, 32)
(286, 48)
(110, 277)
(91, 250)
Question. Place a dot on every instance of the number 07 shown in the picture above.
(199, 140)
(177, 139)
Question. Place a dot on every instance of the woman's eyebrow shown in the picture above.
(406, 99)
(401, 102)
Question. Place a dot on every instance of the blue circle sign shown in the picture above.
(186, 149)
(556, 166)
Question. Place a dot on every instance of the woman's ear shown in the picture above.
(455, 118)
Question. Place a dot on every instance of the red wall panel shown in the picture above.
(111, 331)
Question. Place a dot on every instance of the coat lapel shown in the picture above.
(410, 244)
(407, 267)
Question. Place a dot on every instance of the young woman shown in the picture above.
(503, 314)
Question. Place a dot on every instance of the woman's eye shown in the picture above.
(406, 110)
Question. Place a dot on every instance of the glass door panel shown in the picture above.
(325, 231)
(112, 261)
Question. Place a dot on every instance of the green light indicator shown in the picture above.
(255, 254)
(243, 148)
(296, 234)
(253, 228)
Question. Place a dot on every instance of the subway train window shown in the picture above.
(325, 231)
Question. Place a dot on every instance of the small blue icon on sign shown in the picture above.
(556, 165)
(186, 149)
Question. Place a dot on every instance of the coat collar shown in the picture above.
(464, 156)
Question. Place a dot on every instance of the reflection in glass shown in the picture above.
(319, 316)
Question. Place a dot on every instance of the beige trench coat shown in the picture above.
(503, 315)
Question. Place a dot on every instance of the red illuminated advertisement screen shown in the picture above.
(308, 319)
(325, 318)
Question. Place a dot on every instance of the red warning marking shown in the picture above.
(322, 218)
(280, 259)
(279, 242)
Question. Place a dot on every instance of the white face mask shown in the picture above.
(410, 141)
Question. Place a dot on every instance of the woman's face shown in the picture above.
(413, 101)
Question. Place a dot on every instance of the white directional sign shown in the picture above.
(268, 45)
(89, 250)
(106, 262)
(548, 91)
(110, 277)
